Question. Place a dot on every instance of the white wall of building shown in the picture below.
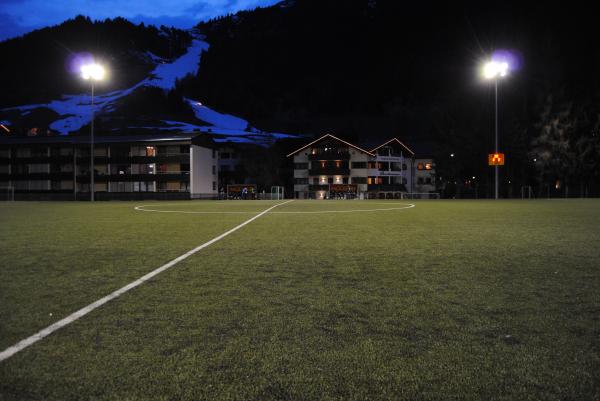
(204, 175)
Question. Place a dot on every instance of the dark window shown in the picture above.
(359, 164)
(184, 149)
(214, 169)
(39, 152)
(359, 180)
(225, 155)
(330, 180)
(404, 167)
(301, 181)
(214, 186)
(420, 180)
(214, 153)
(301, 166)
(118, 151)
(345, 180)
(428, 180)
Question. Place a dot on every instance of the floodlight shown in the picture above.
(494, 69)
(92, 71)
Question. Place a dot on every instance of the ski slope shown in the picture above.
(75, 111)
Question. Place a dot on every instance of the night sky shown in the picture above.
(22, 16)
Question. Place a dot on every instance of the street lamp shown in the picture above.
(495, 70)
(92, 72)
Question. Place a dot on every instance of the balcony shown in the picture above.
(327, 170)
(324, 187)
(330, 155)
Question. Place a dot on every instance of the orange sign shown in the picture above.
(496, 159)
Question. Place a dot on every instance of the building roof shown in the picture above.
(85, 139)
(334, 138)
(394, 140)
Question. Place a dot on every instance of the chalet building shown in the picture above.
(330, 167)
(125, 167)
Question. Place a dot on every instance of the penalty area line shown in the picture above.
(21, 345)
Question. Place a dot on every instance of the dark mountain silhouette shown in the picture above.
(35, 67)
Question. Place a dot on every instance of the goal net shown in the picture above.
(7, 193)
(277, 193)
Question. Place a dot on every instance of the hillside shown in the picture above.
(143, 92)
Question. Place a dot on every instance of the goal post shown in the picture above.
(277, 193)
(526, 192)
(7, 193)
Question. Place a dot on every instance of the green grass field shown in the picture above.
(446, 300)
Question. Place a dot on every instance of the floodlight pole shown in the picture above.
(496, 133)
(92, 148)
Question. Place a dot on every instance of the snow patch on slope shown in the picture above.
(165, 75)
(215, 118)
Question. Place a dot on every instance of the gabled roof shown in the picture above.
(332, 137)
(394, 140)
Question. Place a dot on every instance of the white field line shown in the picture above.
(10, 351)
(142, 208)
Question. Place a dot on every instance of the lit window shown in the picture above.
(420, 166)
(150, 151)
(427, 166)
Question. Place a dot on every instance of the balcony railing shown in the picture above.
(324, 187)
(329, 171)
(333, 155)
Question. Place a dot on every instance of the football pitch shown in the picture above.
(302, 300)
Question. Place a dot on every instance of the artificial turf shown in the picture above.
(447, 300)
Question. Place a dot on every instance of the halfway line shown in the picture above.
(10, 351)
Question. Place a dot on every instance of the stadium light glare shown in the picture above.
(494, 69)
(93, 71)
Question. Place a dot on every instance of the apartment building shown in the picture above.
(125, 167)
(330, 167)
